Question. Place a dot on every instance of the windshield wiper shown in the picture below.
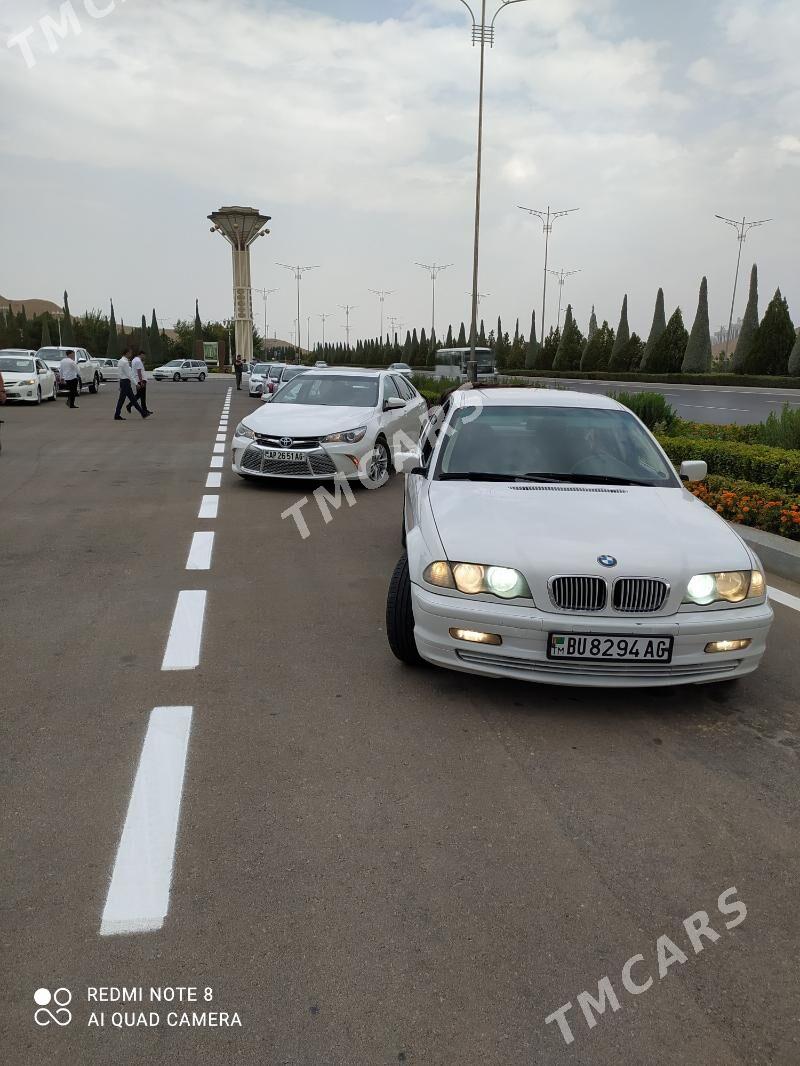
(587, 479)
(477, 475)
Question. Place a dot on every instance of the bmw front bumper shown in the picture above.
(525, 633)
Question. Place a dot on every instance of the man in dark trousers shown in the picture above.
(238, 367)
(68, 372)
(137, 366)
(126, 383)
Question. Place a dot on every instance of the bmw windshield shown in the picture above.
(551, 444)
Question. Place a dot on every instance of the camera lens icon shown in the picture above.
(61, 997)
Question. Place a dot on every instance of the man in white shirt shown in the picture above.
(137, 366)
(68, 372)
(126, 383)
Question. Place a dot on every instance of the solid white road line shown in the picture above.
(219, 449)
(200, 552)
(209, 507)
(186, 632)
(784, 598)
(214, 481)
(138, 896)
(216, 462)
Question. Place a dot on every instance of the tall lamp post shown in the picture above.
(298, 272)
(562, 276)
(547, 218)
(265, 293)
(347, 308)
(435, 270)
(382, 294)
(482, 32)
(742, 229)
(323, 317)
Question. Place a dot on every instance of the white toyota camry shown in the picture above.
(549, 538)
(325, 423)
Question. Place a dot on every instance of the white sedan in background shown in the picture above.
(258, 376)
(548, 538)
(26, 377)
(109, 369)
(326, 423)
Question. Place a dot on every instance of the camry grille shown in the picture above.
(639, 595)
(578, 593)
(298, 443)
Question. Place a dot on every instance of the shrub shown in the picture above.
(651, 407)
(779, 431)
(751, 504)
(746, 462)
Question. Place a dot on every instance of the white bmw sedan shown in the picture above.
(325, 423)
(548, 538)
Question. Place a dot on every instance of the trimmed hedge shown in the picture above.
(779, 467)
(751, 380)
(751, 504)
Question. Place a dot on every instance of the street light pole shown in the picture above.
(265, 293)
(298, 272)
(547, 218)
(481, 33)
(382, 294)
(323, 317)
(562, 276)
(347, 308)
(742, 229)
(435, 270)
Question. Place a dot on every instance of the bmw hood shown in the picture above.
(306, 420)
(547, 530)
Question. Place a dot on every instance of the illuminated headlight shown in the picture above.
(732, 586)
(475, 578)
(29, 381)
(347, 436)
(244, 431)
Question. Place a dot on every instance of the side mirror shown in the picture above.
(693, 470)
(393, 403)
(408, 462)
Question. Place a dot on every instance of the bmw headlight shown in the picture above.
(244, 431)
(347, 436)
(475, 578)
(731, 586)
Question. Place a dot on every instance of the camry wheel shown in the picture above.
(378, 464)
(400, 616)
(176, 377)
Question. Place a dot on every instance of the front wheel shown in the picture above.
(176, 377)
(38, 396)
(95, 385)
(400, 616)
(201, 377)
(378, 465)
(55, 392)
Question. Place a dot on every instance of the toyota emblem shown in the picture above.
(286, 442)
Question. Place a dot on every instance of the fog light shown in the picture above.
(475, 637)
(727, 645)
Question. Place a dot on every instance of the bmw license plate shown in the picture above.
(286, 457)
(593, 647)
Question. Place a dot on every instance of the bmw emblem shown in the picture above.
(286, 442)
(607, 560)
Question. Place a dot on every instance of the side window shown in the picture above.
(390, 389)
(41, 367)
(430, 431)
(406, 389)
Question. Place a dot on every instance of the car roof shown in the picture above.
(25, 351)
(533, 397)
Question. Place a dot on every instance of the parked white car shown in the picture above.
(109, 369)
(27, 377)
(548, 538)
(88, 367)
(181, 370)
(258, 378)
(278, 375)
(401, 368)
(329, 422)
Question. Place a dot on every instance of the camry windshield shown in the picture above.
(328, 390)
(13, 364)
(551, 444)
(261, 369)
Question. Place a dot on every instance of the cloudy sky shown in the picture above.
(352, 123)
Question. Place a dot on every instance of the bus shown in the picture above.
(452, 362)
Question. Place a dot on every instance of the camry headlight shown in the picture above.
(732, 586)
(347, 436)
(474, 578)
(244, 431)
(29, 381)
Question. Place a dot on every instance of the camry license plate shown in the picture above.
(593, 647)
(286, 457)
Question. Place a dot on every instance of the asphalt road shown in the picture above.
(373, 865)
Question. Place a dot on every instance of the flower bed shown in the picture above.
(751, 504)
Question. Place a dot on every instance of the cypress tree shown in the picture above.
(774, 340)
(462, 337)
(144, 340)
(667, 355)
(482, 336)
(449, 339)
(414, 360)
(423, 348)
(532, 347)
(794, 358)
(407, 349)
(629, 355)
(501, 347)
(697, 359)
(112, 349)
(46, 342)
(749, 328)
(197, 339)
(592, 326)
(156, 354)
(67, 328)
(570, 346)
(547, 352)
(657, 328)
(597, 353)
(623, 334)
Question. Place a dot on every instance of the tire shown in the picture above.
(55, 392)
(403, 533)
(380, 464)
(400, 616)
(201, 377)
(95, 385)
(38, 395)
(176, 377)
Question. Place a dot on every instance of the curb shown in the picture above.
(778, 554)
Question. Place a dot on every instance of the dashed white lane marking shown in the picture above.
(214, 481)
(221, 438)
(219, 449)
(209, 507)
(216, 462)
(138, 896)
(707, 407)
(186, 632)
(200, 552)
(785, 598)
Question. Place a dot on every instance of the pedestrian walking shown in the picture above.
(238, 367)
(137, 366)
(126, 383)
(68, 372)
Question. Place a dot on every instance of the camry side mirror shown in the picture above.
(393, 403)
(693, 470)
